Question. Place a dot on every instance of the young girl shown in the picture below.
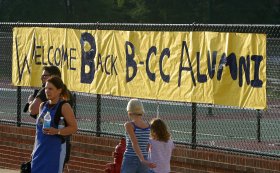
(137, 139)
(160, 146)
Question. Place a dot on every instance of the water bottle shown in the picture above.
(61, 123)
(47, 120)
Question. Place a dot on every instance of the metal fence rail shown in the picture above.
(199, 125)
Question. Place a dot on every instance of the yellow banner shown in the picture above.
(201, 67)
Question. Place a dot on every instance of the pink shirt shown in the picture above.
(160, 153)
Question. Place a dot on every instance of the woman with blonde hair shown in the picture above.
(137, 138)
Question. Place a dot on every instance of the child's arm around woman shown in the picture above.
(130, 130)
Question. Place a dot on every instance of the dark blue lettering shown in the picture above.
(99, 62)
(245, 65)
(37, 56)
(211, 68)
(105, 65)
(201, 78)
(165, 52)
(49, 52)
(72, 57)
(87, 57)
(43, 57)
(113, 67)
(25, 63)
(181, 68)
(228, 61)
(256, 82)
(64, 54)
(222, 63)
(57, 51)
(231, 62)
(129, 61)
(151, 75)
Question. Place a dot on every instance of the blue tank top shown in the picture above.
(142, 136)
(46, 153)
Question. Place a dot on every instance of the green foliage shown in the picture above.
(32, 11)
(120, 3)
(142, 11)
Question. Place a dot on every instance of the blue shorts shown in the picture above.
(133, 165)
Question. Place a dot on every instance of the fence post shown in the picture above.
(98, 115)
(19, 106)
(74, 103)
(210, 110)
(259, 115)
(193, 125)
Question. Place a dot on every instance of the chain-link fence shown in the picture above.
(198, 125)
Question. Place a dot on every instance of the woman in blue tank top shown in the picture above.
(137, 138)
(49, 152)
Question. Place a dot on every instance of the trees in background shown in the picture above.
(142, 11)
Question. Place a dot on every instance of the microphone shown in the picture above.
(35, 92)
